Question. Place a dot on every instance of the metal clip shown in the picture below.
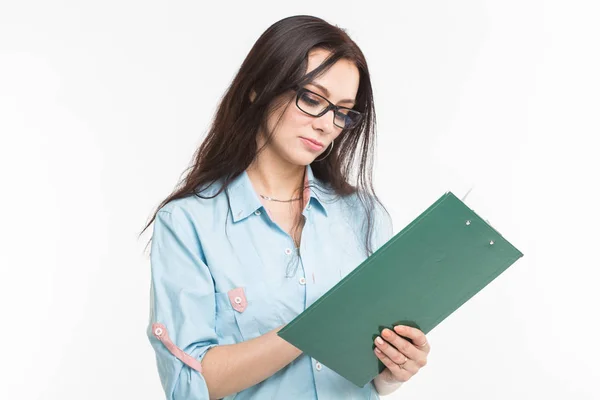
(465, 196)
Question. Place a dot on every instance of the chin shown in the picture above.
(301, 158)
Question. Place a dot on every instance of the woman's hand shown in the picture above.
(401, 358)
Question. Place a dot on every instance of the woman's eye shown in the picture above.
(307, 98)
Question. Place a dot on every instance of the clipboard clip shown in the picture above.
(469, 222)
(465, 196)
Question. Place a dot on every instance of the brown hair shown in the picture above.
(275, 65)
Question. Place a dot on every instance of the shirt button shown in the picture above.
(302, 281)
(318, 366)
(238, 300)
(257, 212)
(308, 207)
(288, 251)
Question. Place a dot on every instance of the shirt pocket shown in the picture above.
(246, 312)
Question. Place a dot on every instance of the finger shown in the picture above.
(401, 345)
(418, 338)
(411, 367)
(386, 346)
(399, 373)
(406, 348)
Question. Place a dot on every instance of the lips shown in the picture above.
(312, 145)
(315, 142)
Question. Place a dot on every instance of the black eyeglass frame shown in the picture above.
(331, 106)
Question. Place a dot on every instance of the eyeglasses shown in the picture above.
(316, 105)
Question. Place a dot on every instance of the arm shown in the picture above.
(384, 387)
(190, 363)
(231, 368)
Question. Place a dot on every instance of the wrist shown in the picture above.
(385, 387)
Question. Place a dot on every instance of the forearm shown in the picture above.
(232, 368)
(383, 387)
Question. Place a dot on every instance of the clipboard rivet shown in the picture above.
(468, 222)
(491, 242)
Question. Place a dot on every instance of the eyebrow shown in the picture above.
(324, 89)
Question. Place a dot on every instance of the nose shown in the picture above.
(324, 122)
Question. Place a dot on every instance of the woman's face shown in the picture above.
(291, 140)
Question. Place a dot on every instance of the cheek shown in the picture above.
(291, 121)
(295, 117)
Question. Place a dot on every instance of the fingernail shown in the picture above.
(379, 340)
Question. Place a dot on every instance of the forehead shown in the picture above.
(341, 79)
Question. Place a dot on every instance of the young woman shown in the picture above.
(266, 221)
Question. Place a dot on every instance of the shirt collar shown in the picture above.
(243, 199)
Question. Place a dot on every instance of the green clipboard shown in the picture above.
(418, 278)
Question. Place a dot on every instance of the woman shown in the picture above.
(266, 222)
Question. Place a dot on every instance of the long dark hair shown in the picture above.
(276, 64)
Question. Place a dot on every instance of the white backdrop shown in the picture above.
(102, 105)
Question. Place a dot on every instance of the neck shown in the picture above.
(271, 176)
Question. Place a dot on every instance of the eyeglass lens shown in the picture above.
(313, 104)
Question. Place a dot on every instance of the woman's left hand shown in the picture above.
(401, 358)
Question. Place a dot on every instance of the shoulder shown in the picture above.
(183, 224)
(361, 205)
(367, 210)
(198, 207)
(190, 221)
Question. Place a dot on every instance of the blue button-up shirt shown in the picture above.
(223, 272)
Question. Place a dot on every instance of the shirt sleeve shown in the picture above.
(182, 305)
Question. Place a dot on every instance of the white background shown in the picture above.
(102, 105)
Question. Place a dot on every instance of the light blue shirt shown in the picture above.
(219, 277)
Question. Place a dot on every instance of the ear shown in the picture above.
(252, 96)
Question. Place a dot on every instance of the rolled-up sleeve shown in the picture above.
(182, 305)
